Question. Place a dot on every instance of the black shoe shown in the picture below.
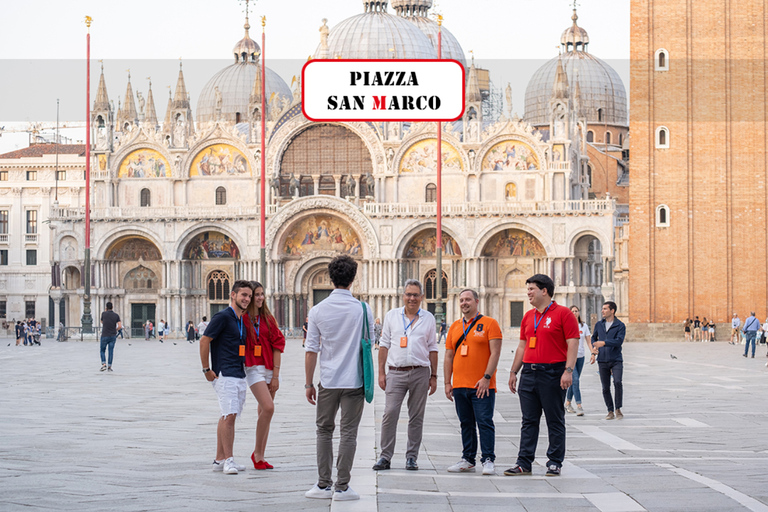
(517, 470)
(381, 465)
(553, 470)
(411, 465)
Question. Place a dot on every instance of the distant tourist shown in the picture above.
(110, 323)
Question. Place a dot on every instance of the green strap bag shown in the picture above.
(366, 357)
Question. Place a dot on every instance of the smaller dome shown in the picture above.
(574, 36)
(246, 49)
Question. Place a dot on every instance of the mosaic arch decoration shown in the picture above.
(144, 163)
(424, 245)
(132, 249)
(321, 233)
(220, 160)
(422, 157)
(211, 245)
(510, 155)
(514, 243)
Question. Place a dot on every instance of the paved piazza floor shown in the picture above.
(142, 438)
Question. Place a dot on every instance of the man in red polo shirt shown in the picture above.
(549, 343)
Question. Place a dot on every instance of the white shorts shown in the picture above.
(231, 393)
(254, 374)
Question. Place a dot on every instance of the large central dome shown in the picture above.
(375, 34)
(601, 87)
(235, 83)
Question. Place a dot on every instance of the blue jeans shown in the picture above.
(108, 341)
(750, 337)
(476, 411)
(573, 390)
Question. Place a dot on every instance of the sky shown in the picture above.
(42, 45)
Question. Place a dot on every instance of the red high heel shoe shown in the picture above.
(262, 464)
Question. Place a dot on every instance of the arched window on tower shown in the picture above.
(430, 194)
(662, 216)
(590, 136)
(662, 137)
(607, 137)
(600, 115)
(145, 198)
(221, 196)
(661, 60)
(621, 139)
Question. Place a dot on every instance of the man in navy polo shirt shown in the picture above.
(549, 344)
(225, 337)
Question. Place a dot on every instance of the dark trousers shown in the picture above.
(539, 390)
(615, 368)
(476, 411)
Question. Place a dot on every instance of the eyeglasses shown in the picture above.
(412, 295)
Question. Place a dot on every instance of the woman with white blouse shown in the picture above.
(573, 390)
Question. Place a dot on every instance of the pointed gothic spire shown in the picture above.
(473, 86)
(180, 98)
(129, 105)
(150, 118)
(167, 120)
(119, 116)
(256, 90)
(560, 89)
(102, 99)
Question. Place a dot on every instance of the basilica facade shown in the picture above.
(175, 209)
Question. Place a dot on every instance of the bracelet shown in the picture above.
(434, 376)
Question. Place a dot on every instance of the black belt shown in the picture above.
(404, 368)
(543, 366)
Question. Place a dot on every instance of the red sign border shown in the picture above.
(370, 120)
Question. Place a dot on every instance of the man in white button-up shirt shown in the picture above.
(334, 331)
(408, 346)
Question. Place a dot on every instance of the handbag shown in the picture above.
(366, 357)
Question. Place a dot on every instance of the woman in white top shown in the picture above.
(573, 390)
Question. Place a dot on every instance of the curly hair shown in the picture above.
(342, 270)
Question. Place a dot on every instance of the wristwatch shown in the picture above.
(206, 370)
(308, 386)
(569, 369)
(486, 376)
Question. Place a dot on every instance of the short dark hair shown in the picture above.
(542, 282)
(612, 305)
(342, 270)
(241, 284)
(109, 305)
(205, 318)
(474, 293)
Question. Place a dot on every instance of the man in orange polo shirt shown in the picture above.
(549, 344)
(472, 351)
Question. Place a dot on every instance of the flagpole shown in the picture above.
(439, 230)
(87, 319)
(263, 251)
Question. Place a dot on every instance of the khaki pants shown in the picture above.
(351, 402)
(416, 383)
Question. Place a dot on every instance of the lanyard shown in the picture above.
(467, 329)
(535, 323)
(239, 324)
(405, 328)
(258, 326)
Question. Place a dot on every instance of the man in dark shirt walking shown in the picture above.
(110, 323)
(607, 338)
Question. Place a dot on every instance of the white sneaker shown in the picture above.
(317, 492)
(489, 468)
(230, 468)
(348, 495)
(463, 466)
(218, 465)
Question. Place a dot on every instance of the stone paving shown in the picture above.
(142, 438)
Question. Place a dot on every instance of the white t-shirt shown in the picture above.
(583, 335)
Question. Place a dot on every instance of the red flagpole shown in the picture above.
(439, 311)
(262, 229)
(87, 320)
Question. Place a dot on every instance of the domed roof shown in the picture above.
(372, 34)
(235, 83)
(601, 87)
(451, 49)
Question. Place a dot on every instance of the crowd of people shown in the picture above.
(27, 332)
(750, 332)
(241, 348)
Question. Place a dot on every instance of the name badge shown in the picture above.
(532, 342)
(403, 341)
(257, 351)
(241, 353)
(464, 350)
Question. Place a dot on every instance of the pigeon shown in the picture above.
(9, 344)
(129, 344)
(174, 342)
(672, 356)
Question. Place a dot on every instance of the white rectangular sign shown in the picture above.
(382, 90)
